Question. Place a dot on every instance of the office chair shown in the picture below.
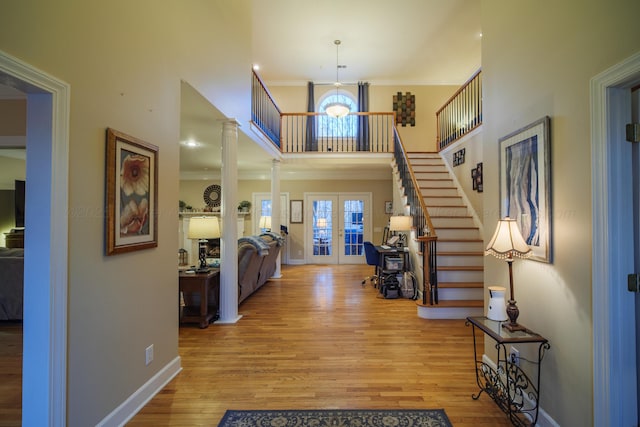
(373, 258)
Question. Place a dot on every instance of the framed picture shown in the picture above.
(132, 194)
(296, 211)
(388, 207)
(477, 185)
(525, 182)
(458, 157)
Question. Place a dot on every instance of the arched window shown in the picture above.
(330, 126)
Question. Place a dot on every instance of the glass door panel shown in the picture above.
(337, 226)
(322, 230)
(352, 229)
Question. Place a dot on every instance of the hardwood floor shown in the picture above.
(10, 374)
(317, 339)
(314, 339)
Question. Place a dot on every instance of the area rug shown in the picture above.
(337, 418)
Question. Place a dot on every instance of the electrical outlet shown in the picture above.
(514, 356)
(148, 355)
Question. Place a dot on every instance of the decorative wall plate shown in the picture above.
(212, 195)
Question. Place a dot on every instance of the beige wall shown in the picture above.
(429, 99)
(537, 60)
(124, 62)
(472, 146)
(381, 190)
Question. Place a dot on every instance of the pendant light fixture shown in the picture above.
(337, 109)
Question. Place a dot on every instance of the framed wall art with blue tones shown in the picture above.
(525, 184)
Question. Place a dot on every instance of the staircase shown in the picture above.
(460, 255)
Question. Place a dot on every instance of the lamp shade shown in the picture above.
(507, 242)
(204, 227)
(265, 222)
(321, 223)
(400, 223)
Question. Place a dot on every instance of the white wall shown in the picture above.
(537, 60)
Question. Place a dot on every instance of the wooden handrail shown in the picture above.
(429, 224)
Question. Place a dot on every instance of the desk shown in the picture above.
(508, 385)
(204, 285)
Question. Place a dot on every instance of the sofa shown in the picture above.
(11, 283)
(256, 262)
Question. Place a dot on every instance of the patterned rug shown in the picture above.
(337, 418)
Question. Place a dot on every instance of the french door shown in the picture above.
(336, 226)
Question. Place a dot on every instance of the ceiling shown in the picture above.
(403, 42)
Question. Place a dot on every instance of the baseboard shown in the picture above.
(544, 419)
(296, 262)
(135, 402)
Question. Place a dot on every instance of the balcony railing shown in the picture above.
(264, 112)
(461, 113)
(317, 132)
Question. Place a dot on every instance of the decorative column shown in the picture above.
(275, 209)
(229, 215)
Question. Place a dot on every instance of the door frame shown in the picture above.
(44, 375)
(613, 307)
(367, 228)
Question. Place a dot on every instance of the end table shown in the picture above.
(509, 386)
(203, 284)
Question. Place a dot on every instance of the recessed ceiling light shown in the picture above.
(256, 67)
(191, 143)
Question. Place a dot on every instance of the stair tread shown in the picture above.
(475, 285)
(461, 268)
(460, 253)
(451, 216)
(454, 303)
(460, 240)
(444, 227)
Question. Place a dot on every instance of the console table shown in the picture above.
(203, 285)
(508, 385)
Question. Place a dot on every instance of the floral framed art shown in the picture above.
(525, 184)
(131, 193)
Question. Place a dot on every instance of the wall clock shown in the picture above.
(212, 195)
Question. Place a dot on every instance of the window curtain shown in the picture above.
(311, 142)
(363, 120)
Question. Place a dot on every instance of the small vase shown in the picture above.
(497, 309)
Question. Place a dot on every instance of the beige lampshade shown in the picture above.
(204, 227)
(507, 242)
(321, 223)
(265, 222)
(400, 223)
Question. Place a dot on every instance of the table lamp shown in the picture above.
(401, 223)
(507, 242)
(203, 228)
(265, 223)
